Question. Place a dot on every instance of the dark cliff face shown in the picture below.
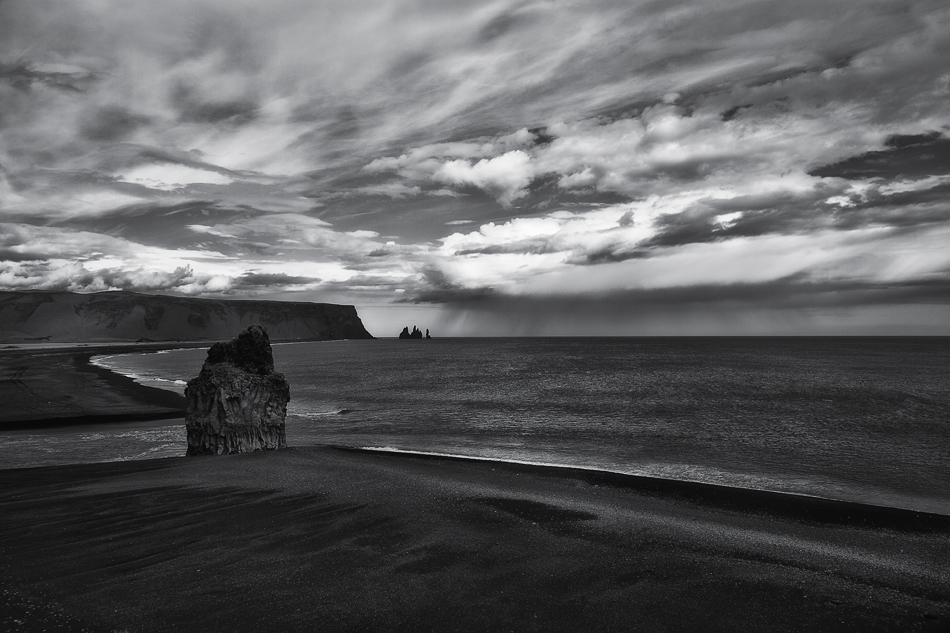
(129, 316)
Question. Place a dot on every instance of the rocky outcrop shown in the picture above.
(416, 332)
(238, 403)
(130, 316)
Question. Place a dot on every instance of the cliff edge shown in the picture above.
(36, 316)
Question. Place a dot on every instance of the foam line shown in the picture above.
(786, 504)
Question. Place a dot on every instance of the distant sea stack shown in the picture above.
(129, 316)
(238, 403)
(416, 333)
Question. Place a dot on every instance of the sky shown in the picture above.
(626, 167)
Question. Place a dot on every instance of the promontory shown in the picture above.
(37, 316)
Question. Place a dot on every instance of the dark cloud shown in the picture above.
(789, 213)
(928, 196)
(23, 75)
(532, 246)
(795, 292)
(733, 112)
(788, 306)
(346, 124)
(904, 157)
(271, 280)
(546, 191)
(500, 26)
(111, 124)
(909, 210)
(541, 136)
(612, 253)
(437, 288)
(193, 108)
(781, 212)
(10, 255)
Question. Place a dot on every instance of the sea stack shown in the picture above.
(238, 403)
(406, 334)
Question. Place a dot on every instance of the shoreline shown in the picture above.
(56, 384)
(787, 505)
(343, 539)
(59, 386)
(131, 401)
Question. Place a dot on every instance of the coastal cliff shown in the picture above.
(38, 316)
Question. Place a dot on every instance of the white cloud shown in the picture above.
(363, 234)
(504, 177)
(200, 228)
(170, 176)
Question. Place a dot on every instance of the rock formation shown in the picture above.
(416, 332)
(238, 403)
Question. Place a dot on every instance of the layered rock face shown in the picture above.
(238, 403)
(129, 316)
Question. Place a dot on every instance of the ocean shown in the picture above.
(859, 419)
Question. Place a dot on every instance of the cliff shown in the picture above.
(238, 403)
(128, 316)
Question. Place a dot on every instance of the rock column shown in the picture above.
(238, 403)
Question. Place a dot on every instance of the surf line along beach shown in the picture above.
(330, 538)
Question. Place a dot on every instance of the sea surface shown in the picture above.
(861, 419)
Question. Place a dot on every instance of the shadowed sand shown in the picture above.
(55, 386)
(340, 540)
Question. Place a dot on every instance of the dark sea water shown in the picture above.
(865, 419)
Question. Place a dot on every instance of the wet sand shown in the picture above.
(327, 539)
(42, 386)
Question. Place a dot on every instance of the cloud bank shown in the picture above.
(688, 167)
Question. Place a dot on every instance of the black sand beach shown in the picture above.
(324, 539)
(57, 386)
(320, 538)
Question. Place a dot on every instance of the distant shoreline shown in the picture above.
(58, 386)
(46, 385)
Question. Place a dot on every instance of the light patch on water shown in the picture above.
(57, 447)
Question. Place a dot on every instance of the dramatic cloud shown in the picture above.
(714, 166)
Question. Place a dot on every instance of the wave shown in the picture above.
(319, 414)
(113, 363)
